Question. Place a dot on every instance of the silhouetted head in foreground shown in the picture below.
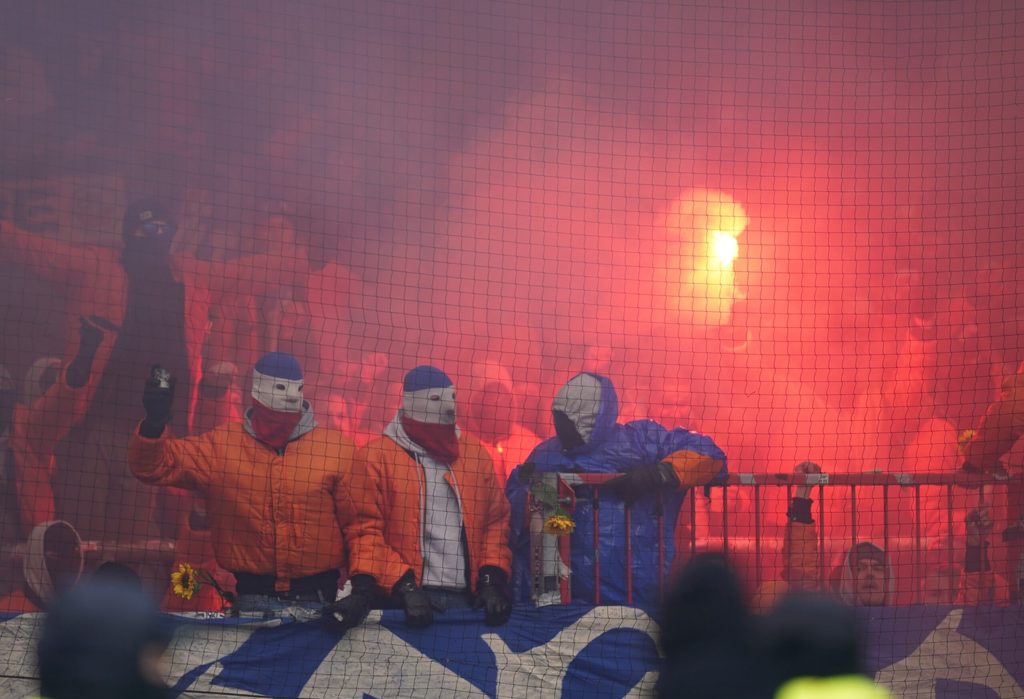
(707, 636)
(103, 638)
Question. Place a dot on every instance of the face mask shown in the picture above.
(440, 441)
(430, 405)
(567, 433)
(283, 395)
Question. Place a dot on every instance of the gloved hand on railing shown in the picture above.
(351, 611)
(643, 480)
(418, 612)
(494, 595)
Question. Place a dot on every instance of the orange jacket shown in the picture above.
(1002, 426)
(381, 511)
(800, 566)
(269, 513)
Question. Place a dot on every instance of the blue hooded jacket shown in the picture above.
(611, 448)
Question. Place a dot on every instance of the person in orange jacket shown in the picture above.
(864, 577)
(271, 487)
(424, 518)
(125, 308)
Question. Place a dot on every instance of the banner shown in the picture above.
(570, 651)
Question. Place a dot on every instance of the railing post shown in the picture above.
(597, 545)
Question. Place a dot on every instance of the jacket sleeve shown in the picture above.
(800, 554)
(695, 458)
(183, 463)
(1001, 427)
(51, 259)
(496, 550)
(255, 275)
(360, 506)
(978, 582)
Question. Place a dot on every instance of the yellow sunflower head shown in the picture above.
(559, 525)
(184, 581)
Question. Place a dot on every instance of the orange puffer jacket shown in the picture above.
(382, 505)
(269, 513)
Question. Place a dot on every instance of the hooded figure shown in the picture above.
(424, 518)
(103, 640)
(125, 310)
(865, 577)
(270, 486)
(53, 563)
(657, 467)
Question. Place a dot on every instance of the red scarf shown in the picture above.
(273, 427)
(440, 441)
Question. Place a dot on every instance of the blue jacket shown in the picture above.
(615, 448)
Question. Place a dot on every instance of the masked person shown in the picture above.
(657, 466)
(424, 518)
(270, 486)
(126, 309)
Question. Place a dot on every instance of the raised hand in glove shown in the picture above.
(493, 595)
(643, 480)
(157, 399)
(418, 613)
(351, 611)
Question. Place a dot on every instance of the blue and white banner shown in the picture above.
(919, 652)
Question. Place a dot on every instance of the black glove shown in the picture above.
(643, 480)
(493, 594)
(418, 613)
(349, 612)
(157, 399)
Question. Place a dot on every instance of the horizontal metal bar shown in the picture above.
(815, 479)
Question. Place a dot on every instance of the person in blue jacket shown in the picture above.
(657, 467)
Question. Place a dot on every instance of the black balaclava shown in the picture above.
(92, 641)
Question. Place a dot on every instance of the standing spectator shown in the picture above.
(270, 486)
(862, 577)
(1000, 429)
(124, 308)
(495, 418)
(657, 467)
(423, 516)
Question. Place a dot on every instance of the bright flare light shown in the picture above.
(724, 248)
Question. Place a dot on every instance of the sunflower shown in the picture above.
(185, 581)
(964, 438)
(559, 525)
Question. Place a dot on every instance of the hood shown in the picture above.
(591, 403)
(306, 423)
(40, 376)
(37, 573)
(844, 577)
(397, 434)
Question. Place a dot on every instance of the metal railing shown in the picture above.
(551, 555)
